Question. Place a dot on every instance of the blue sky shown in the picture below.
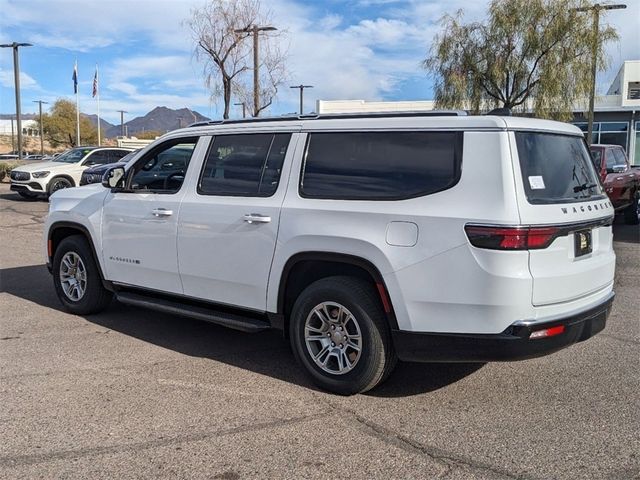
(362, 49)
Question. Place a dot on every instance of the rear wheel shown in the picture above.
(340, 335)
(632, 211)
(76, 277)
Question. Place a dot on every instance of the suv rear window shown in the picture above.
(380, 165)
(556, 168)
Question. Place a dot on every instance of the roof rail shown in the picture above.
(335, 116)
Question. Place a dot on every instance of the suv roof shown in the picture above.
(383, 120)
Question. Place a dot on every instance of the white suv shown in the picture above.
(365, 239)
(64, 171)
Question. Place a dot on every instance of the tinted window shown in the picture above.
(247, 165)
(556, 168)
(610, 159)
(619, 156)
(596, 154)
(164, 168)
(98, 158)
(118, 154)
(380, 165)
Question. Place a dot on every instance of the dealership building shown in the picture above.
(616, 114)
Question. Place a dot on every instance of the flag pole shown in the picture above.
(96, 86)
(77, 106)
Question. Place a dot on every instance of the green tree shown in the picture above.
(59, 126)
(528, 54)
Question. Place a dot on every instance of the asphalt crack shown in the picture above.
(34, 459)
(448, 460)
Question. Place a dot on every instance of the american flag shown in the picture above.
(95, 83)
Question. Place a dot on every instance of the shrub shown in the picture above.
(5, 168)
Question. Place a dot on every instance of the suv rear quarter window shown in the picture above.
(380, 165)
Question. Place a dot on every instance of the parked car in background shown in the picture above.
(621, 182)
(34, 157)
(94, 174)
(64, 171)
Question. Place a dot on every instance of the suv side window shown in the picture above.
(621, 161)
(118, 154)
(164, 168)
(380, 165)
(97, 158)
(610, 159)
(244, 165)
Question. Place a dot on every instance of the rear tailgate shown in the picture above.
(557, 185)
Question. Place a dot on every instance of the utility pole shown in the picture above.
(594, 56)
(122, 112)
(16, 79)
(244, 108)
(301, 87)
(13, 140)
(255, 30)
(40, 102)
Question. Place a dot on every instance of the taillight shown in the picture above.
(511, 238)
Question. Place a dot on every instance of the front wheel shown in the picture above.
(631, 213)
(76, 277)
(59, 183)
(340, 335)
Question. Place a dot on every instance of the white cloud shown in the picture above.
(7, 79)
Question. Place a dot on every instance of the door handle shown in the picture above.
(256, 218)
(162, 212)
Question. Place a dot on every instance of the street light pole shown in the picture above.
(16, 76)
(301, 87)
(122, 112)
(255, 30)
(594, 54)
(40, 102)
(244, 108)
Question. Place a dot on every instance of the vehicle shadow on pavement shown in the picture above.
(17, 198)
(626, 233)
(266, 353)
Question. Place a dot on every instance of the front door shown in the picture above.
(139, 224)
(229, 223)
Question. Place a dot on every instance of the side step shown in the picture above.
(230, 320)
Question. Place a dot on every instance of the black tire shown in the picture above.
(377, 358)
(95, 298)
(27, 195)
(631, 212)
(58, 183)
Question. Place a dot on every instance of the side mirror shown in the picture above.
(114, 178)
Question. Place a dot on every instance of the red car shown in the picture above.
(621, 181)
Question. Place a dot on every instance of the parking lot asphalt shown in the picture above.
(131, 393)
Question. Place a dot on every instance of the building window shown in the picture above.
(633, 92)
(611, 133)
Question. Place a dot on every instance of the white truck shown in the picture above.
(433, 237)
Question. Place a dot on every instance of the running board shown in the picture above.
(230, 320)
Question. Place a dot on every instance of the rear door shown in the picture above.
(229, 220)
(557, 186)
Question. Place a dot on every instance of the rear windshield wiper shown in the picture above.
(584, 186)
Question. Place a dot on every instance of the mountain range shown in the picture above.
(161, 119)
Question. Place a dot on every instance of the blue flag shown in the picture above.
(75, 77)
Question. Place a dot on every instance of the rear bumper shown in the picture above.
(512, 344)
